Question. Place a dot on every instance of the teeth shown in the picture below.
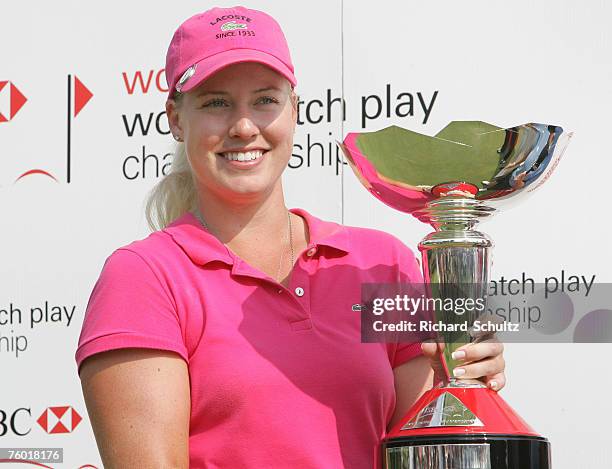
(243, 156)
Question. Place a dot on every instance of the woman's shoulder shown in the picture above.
(158, 248)
(155, 245)
(358, 238)
(368, 235)
(378, 241)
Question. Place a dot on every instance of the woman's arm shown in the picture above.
(412, 379)
(138, 401)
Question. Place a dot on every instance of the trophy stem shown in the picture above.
(456, 261)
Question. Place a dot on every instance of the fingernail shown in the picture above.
(458, 355)
(458, 372)
(493, 384)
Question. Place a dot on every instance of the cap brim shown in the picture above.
(210, 65)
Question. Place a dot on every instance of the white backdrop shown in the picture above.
(504, 63)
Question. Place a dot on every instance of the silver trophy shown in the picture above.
(452, 181)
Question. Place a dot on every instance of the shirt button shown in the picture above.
(280, 291)
(299, 291)
(311, 252)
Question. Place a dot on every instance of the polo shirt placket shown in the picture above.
(299, 289)
(297, 296)
(297, 308)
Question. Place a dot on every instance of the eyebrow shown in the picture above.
(205, 92)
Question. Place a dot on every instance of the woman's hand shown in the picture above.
(479, 360)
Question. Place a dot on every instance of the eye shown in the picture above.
(267, 100)
(217, 102)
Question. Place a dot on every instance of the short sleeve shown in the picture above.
(409, 272)
(129, 307)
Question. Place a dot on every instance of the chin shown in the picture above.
(265, 181)
(248, 188)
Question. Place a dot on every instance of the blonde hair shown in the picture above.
(174, 195)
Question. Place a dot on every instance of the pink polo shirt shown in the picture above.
(279, 376)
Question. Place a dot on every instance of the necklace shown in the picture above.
(200, 218)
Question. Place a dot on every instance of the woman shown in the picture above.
(227, 339)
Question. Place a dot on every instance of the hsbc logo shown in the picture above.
(59, 419)
(53, 420)
(11, 101)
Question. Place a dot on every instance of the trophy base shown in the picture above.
(464, 426)
(467, 452)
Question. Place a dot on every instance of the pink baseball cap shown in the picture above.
(216, 38)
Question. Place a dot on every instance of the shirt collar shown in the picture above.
(324, 233)
(202, 247)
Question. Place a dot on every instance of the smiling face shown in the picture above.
(238, 129)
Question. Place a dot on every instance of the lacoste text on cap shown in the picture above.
(216, 38)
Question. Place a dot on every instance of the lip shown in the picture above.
(244, 149)
(243, 164)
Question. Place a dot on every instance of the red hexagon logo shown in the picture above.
(16, 100)
(62, 419)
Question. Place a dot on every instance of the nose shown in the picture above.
(243, 128)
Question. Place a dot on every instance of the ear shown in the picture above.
(173, 117)
(294, 105)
